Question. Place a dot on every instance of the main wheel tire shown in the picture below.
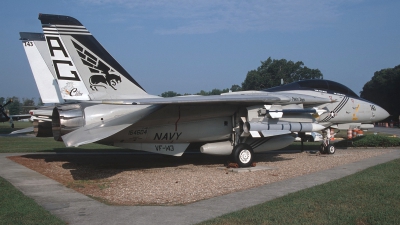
(243, 155)
(330, 149)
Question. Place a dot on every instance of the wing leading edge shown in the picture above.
(241, 99)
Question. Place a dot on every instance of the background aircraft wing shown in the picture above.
(23, 131)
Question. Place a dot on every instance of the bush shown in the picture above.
(370, 141)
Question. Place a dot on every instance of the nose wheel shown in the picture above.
(326, 147)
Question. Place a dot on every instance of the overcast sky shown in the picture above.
(193, 45)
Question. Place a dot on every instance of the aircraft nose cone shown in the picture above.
(381, 114)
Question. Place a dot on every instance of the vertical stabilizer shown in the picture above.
(82, 66)
(39, 59)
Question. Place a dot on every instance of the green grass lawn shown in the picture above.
(5, 127)
(16, 208)
(371, 196)
(23, 144)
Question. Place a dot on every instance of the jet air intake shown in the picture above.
(256, 129)
(65, 119)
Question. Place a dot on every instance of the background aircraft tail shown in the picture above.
(39, 59)
(83, 68)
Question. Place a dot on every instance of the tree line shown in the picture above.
(269, 74)
(17, 107)
(384, 90)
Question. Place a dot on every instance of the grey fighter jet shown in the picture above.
(104, 104)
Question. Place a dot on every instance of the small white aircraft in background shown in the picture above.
(100, 102)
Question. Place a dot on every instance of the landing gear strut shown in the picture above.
(326, 147)
(302, 137)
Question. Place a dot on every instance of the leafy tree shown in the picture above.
(27, 104)
(214, 91)
(383, 89)
(40, 102)
(170, 94)
(14, 107)
(235, 88)
(271, 71)
(218, 91)
(202, 92)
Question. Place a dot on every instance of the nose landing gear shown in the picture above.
(326, 147)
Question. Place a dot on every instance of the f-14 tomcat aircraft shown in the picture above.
(104, 104)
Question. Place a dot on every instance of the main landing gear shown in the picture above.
(326, 147)
(243, 155)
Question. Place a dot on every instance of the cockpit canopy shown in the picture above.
(316, 85)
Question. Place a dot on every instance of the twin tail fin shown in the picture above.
(83, 68)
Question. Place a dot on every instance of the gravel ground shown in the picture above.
(131, 179)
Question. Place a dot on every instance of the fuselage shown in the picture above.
(205, 123)
(345, 109)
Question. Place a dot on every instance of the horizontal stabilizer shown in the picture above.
(23, 131)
